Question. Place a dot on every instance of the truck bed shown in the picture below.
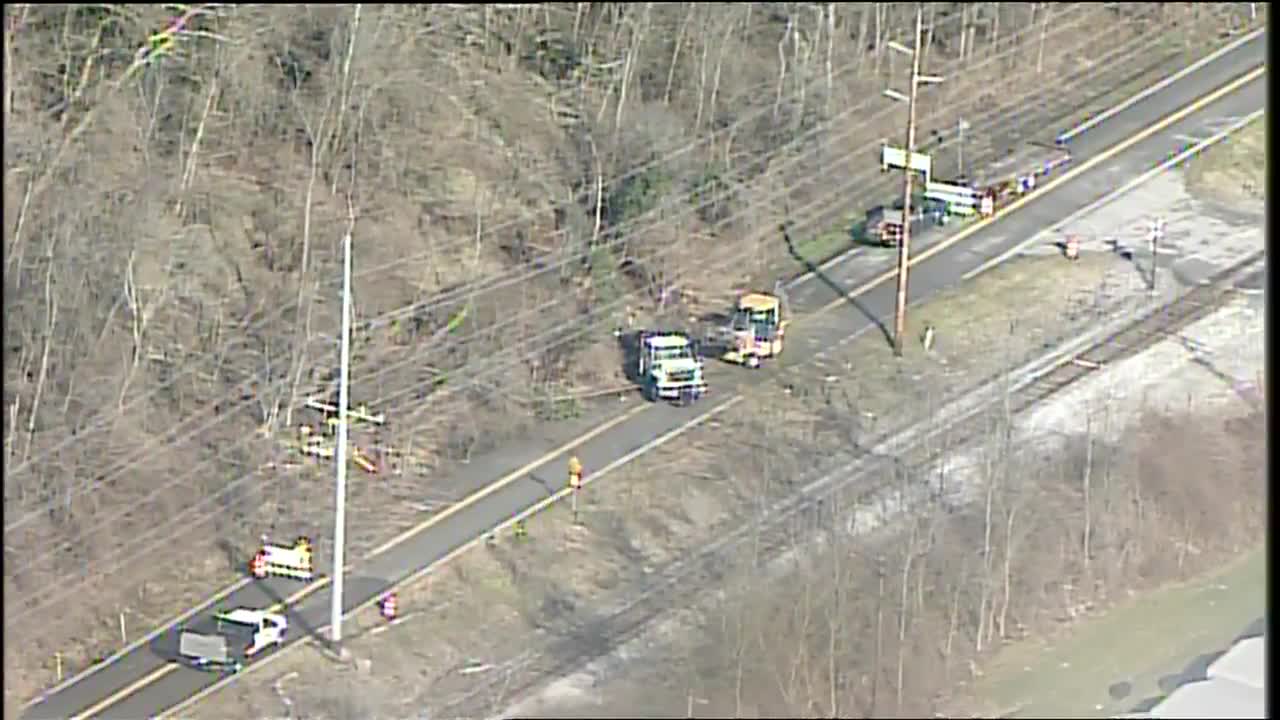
(205, 649)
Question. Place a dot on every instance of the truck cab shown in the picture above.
(263, 627)
(669, 369)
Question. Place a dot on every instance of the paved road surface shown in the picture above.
(136, 685)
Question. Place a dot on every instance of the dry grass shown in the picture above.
(981, 328)
(1141, 641)
(1235, 169)
(781, 622)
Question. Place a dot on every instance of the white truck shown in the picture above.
(669, 369)
(234, 638)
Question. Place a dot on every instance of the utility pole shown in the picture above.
(904, 247)
(340, 456)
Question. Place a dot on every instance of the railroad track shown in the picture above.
(679, 585)
(1149, 328)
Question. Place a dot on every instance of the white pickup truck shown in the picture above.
(235, 637)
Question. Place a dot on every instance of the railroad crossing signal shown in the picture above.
(1155, 233)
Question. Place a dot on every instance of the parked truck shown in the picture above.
(668, 367)
(232, 638)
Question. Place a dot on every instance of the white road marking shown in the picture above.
(1111, 196)
(1101, 117)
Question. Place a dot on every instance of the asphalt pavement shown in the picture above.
(145, 681)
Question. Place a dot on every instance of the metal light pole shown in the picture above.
(904, 247)
(340, 457)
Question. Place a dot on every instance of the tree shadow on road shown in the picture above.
(834, 286)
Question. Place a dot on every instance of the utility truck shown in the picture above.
(669, 368)
(232, 638)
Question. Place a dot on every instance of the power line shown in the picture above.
(493, 367)
(458, 295)
(242, 404)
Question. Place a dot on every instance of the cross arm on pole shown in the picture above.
(895, 45)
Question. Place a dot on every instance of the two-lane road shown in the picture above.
(144, 682)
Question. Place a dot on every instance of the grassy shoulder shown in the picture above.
(1000, 319)
(1235, 169)
(1129, 654)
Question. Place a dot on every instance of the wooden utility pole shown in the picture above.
(904, 246)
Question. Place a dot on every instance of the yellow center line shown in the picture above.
(1111, 196)
(1074, 172)
(513, 476)
(324, 582)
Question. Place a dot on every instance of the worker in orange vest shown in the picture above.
(575, 473)
(1072, 248)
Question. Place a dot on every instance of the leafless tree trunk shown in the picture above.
(927, 45)
(1045, 11)
(953, 624)
(865, 12)
(903, 610)
(1086, 483)
(739, 657)
(702, 71)
(638, 32)
(880, 11)
(876, 664)
(140, 313)
(831, 45)
(51, 324)
(995, 27)
(724, 45)
(17, 248)
(1008, 570)
(348, 85)
(188, 173)
(675, 53)
(986, 554)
